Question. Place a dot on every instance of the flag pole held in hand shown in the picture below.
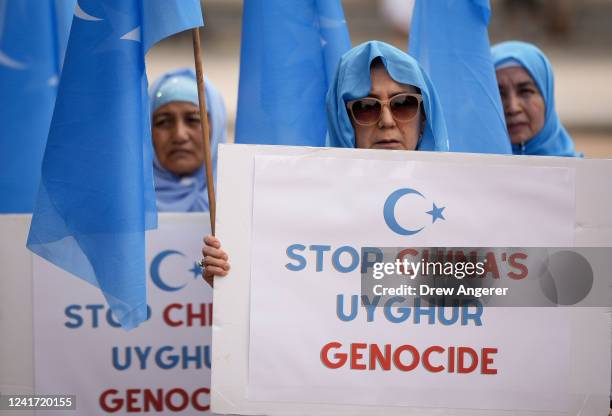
(197, 54)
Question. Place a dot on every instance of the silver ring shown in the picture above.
(202, 264)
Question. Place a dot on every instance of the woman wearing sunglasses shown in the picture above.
(379, 99)
(526, 85)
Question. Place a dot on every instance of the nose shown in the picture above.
(512, 105)
(181, 132)
(386, 118)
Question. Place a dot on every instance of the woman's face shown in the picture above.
(524, 106)
(177, 137)
(388, 133)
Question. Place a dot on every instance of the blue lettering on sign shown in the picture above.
(92, 316)
(319, 249)
(467, 312)
(291, 253)
(354, 259)
(165, 357)
(344, 259)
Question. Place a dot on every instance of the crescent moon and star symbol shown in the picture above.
(156, 277)
(389, 212)
(80, 13)
(9, 62)
(132, 35)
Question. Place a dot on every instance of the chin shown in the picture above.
(520, 134)
(184, 165)
(520, 138)
(184, 170)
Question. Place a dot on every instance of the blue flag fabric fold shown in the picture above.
(289, 54)
(449, 39)
(33, 36)
(96, 196)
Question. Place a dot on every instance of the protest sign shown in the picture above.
(163, 366)
(290, 340)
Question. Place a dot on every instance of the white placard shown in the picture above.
(298, 275)
(163, 366)
(336, 197)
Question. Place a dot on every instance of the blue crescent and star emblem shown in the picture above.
(389, 212)
(156, 276)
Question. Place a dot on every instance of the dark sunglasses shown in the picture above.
(368, 111)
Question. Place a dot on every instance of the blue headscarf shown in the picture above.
(186, 193)
(553, 139)
(352, 81)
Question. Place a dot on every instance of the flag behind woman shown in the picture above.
(449, 39)
(33, 36)
(289, 53)
(96, 197)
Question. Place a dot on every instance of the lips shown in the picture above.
(181, 153)
(516, 126)
(387, 144)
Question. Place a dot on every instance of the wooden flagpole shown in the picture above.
(197, 54)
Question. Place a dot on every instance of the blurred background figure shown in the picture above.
(180, 180)
(527, 89)
(556, 16)
(398, 13)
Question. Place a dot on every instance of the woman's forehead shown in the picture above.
(514, 75)
(176, 107)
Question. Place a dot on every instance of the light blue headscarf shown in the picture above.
(186, 193)
(352, 81)
(553, 139)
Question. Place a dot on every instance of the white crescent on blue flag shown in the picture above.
(289, 54)
(96, 196)
(449, 39)
(33, 36)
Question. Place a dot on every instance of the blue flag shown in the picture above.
(449, 39)
(289, 53)
(33, 36)
(96, 196)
